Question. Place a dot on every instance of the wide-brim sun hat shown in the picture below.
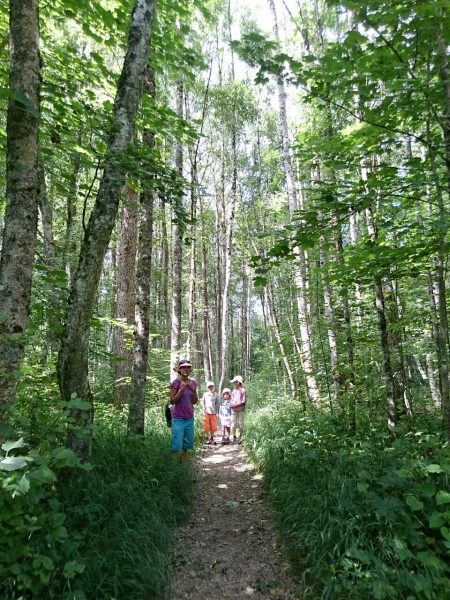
(237, 378)
(184, 362)
(210, 384)
(226, 391)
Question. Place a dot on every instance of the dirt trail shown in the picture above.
(229, 549)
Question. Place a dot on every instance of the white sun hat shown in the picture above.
(237, 378)
(226, 391)
(210, 383)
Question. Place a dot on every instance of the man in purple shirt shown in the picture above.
(183, 396)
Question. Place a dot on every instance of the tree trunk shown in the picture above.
(192, 313)
(206, 337)
(177, 254)
(331, 328)
(384, 337)
(69, 246)
(21, 214)
(300, 266)
(165, 275)
(443, 347)
(46, 219)
(136, 399)
(124, 313)
(73, 357)
(273, 319)
(229, 218)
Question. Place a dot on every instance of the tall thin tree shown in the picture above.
(73, 356)
(21, 215)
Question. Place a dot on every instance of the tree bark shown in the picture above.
(177, 254)
(229, 218)
(273, 319)
(124, 313)
(73, 356)
(69, 246)
(300, 266)
(443, 346)
(384, 337)
(136, 399)
(21, 214)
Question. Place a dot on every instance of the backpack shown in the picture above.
(168, 415)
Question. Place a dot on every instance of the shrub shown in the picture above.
(362, 517)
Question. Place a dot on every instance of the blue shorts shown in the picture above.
(182, 434)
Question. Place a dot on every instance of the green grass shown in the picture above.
(125, 510)
(362, 517)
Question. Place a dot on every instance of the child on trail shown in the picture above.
(238, 402)
(225, 415)
(210, 403)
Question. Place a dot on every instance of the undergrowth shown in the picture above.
(97, 533)
(362, 516)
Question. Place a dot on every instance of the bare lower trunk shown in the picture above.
(136, 398)
(124, 314)
(21, 214)
(69, 246)
(331, 329)
(177, 256)
(300, 258)
(434, 388)
(229, 217)
(73, 357)
(206, 341)
(275, 326)
(384, 338)
(443, 347)
(192, 313)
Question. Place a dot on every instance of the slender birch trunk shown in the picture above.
(21, 214)
(73, 356)
(165, 263)
(300, 266)
(193, 269)
(69, 244)
(384, 337)
(206, 338)
(124, 312)
(275, 325)
(177, 254)
(443, 345)
(331, 328)
(136, 398)
(229, 217)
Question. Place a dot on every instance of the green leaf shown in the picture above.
(8, 446)
(434, 468)
(436, 520)
(72, 568)
(12, 463)
(442, 497)
(414, 503)
(427, 489)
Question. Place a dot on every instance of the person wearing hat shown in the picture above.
(183, 396)
(210, 403)
(238, 402)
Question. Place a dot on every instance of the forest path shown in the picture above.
(229, 549)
